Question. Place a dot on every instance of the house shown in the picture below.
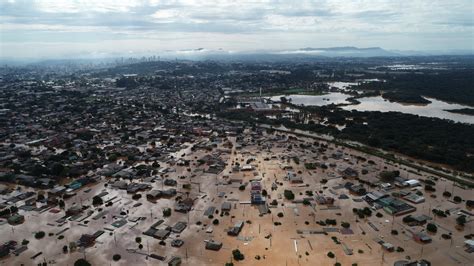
(120, 184)
(293, 178)
(255, 186)
(168, 193)
(170, 182)
(400, 181)
(226, 206)
(412, 183)
(246, 167)
(469, 244)
(386, 186)
(184, 205)
(357, 190)
(4, 251)
(388, 247)
(174, 261)
(179, 227)
(414, 198)
(213, 245)
(135, 187)
(235, 230)
(395, 206)
(257, 198)
(154, 194)
(416, 220)
(26, 180)
(57, 191)
(349, 173)
(374, 196)
(162, 234)
(416, 263)
(76, 209)
(422, 237)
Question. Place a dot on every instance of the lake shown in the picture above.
(435, 109)
(317, 100)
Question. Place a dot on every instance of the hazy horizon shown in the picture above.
(59, 29)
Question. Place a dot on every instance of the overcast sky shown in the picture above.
(49, 28)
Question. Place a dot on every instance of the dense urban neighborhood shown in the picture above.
(158, 162)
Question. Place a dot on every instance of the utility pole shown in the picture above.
(148, 248)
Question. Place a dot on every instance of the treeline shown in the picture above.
(447, 85)
(405, 97)
(430, 139)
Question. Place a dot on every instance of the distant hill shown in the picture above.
(346, 51)
(301, 54)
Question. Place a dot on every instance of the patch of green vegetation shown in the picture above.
(464, 111)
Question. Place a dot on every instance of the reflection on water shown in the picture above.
(342, 85)
(318, 100)
(435, 109)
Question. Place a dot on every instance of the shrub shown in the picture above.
(430, 188)
(25, 242)
(430, 182)
(446, 236)
(289, 195)
(461, 220)
(469, 203)
(400, 249)
(116, 257)
(166, 212)
(39, 235)
(136, 196)
(138, 239)
(215, 222)
(379, 215)
(96, 200)
(431, 227)
(439, 213)
(457, 199)
(331, 255)
(367, 211)
(394, 232)
(242, 187)
(82, 262)
(237, 255)
(280, 214)
(447, 194)
(345, 224)
(64, 249)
